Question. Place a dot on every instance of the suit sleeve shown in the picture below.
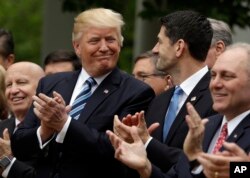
(21, 170)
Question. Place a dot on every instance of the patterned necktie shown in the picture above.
(82, 98)
(172, 111)
(221, 138)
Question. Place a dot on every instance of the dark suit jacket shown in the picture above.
(159, 151)
(240, 136)
(21, 170)
(7, 123)
(86, 150)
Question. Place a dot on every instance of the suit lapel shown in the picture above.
(239, 130)
(161, 106)
(67, 85)
(196, 95)
(211, 129)
(109, 85)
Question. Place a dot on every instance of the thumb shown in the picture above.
(6, 135)
(135, 135)
(68, 109)
(153, 127)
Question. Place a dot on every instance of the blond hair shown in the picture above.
(3, 102)
(100, 18)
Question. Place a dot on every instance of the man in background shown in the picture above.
(7, 55)
(145, 70)
(61, 61)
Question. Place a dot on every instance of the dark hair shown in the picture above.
(63, 56)
(6, 43)
(193, 28)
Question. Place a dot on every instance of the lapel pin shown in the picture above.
(193, 98)
(235, 135)
(106, 91)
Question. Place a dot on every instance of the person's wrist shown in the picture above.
(146, 170)
(5, 160)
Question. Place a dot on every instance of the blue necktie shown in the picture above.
(172, 111)
(82, 98)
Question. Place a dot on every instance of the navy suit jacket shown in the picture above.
(7, 123)
(182, 168)
(86, 150)
(159, 151)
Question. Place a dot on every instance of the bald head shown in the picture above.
(29, 68)
(21, 81)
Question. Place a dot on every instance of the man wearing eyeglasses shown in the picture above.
(145, 70)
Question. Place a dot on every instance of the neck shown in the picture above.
(185, 69)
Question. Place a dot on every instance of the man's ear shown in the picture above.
(219, 47)
(76, 46)
(180, 47)
(9, 60)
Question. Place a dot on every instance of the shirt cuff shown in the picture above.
(61, 135)
(148, 141)
(41, 145)
(7, 169)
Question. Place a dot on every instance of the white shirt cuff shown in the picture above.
(7, 169)
(61, 135)
(41, 145)
(147, 142)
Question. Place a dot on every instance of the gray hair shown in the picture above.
(221, 31)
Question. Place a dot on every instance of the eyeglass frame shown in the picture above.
(142, 77)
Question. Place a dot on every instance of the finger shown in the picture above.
(38, 107)
(142, 118)
(38, 100)
(116, 122)
(6, 135)
(58, 97)
(195, 118)
(153, 127)
(233, 148)
(45, 98)
(216, 160)
(68, 109)
(113, 139)
(135, 135)
(127, 120)
(134, 119)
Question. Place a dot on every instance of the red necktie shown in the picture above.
(221, 138)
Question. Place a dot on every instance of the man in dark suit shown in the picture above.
(183, 42)
(21, 82)
(63, 146)
(19, 95)
(229, 87)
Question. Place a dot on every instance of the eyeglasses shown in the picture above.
(143, 77)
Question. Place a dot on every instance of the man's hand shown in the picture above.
(52, 112)
(193, 142)
(5, 148)
(220, 162)
(123, 128)
(132, 154)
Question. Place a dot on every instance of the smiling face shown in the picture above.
(98, 49)
(21, 81)
(230, 83)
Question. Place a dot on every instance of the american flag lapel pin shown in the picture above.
(193, 98)
(106, 91)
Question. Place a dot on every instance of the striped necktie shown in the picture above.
(82, 98)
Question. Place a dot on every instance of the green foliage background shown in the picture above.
(24, 20)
